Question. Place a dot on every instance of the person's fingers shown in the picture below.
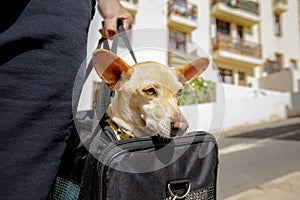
(109, 28)
(111, 10)
(127, 20)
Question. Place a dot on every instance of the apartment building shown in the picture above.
(280, 37)
(237, 49)
(256, 43)
(253, 43)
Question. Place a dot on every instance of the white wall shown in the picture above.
(237, 106)
(202, 34)
(286, 44)
(291, 32)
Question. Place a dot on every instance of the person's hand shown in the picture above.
(111, 10)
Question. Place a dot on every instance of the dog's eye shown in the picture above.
(150, 92)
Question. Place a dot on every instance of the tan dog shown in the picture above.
(146, 94)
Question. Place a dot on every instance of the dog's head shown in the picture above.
(146, 94)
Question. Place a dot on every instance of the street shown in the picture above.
(251, 158)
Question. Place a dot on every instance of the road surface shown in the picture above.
(250, 158)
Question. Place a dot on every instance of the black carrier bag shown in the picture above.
(147, 168)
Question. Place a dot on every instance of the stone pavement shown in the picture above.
(283, 188)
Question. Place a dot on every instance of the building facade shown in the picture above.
(253, 43)
(280, 37)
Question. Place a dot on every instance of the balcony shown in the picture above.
(272, 67)
(226, 50)
(280, 6)
(177, 58)
(182, 17)
(130, 5)
(242, 12)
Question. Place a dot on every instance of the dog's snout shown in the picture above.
(178, 127)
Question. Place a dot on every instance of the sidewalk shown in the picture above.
(283, 188)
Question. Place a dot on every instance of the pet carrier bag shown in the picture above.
(149, 168)
(146, 168)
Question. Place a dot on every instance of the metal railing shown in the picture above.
(246, 5)
(272, 67)
(224, 42)
(187, 10)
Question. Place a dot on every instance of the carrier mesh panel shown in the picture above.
(65, 190)
(204, 194)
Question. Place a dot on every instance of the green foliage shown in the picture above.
(198, 91)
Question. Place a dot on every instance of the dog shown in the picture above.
(146, 94)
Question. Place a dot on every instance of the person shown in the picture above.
(42, 45)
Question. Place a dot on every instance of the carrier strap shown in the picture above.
(100, 130)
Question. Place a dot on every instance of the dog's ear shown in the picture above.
(192, 70)
(109, 67)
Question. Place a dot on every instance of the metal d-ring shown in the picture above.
(175, 196)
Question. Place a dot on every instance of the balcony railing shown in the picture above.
(246, 5)
(272, 67)
(224, 42)
(187, 10)
(178, 58)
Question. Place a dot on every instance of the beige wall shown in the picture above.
(280, 81)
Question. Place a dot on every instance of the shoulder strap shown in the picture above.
(103, 101)
(104, 94)
(125, 39)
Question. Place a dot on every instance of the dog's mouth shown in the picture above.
(169, 129)
(157, 122)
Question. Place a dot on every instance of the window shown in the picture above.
(183, 8)
(223, 27)
(242, 79)
(179, 7)
(177, 41)
(279, 61)
(240, 34)
(272, 66)
(277, 25)
(293, 64)
(226, 75)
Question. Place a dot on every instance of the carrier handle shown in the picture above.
(105, 95)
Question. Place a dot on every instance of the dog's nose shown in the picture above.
(178, 128)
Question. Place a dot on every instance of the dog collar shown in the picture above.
(120, 131)
(124, 133)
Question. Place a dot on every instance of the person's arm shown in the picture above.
(111, 10)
